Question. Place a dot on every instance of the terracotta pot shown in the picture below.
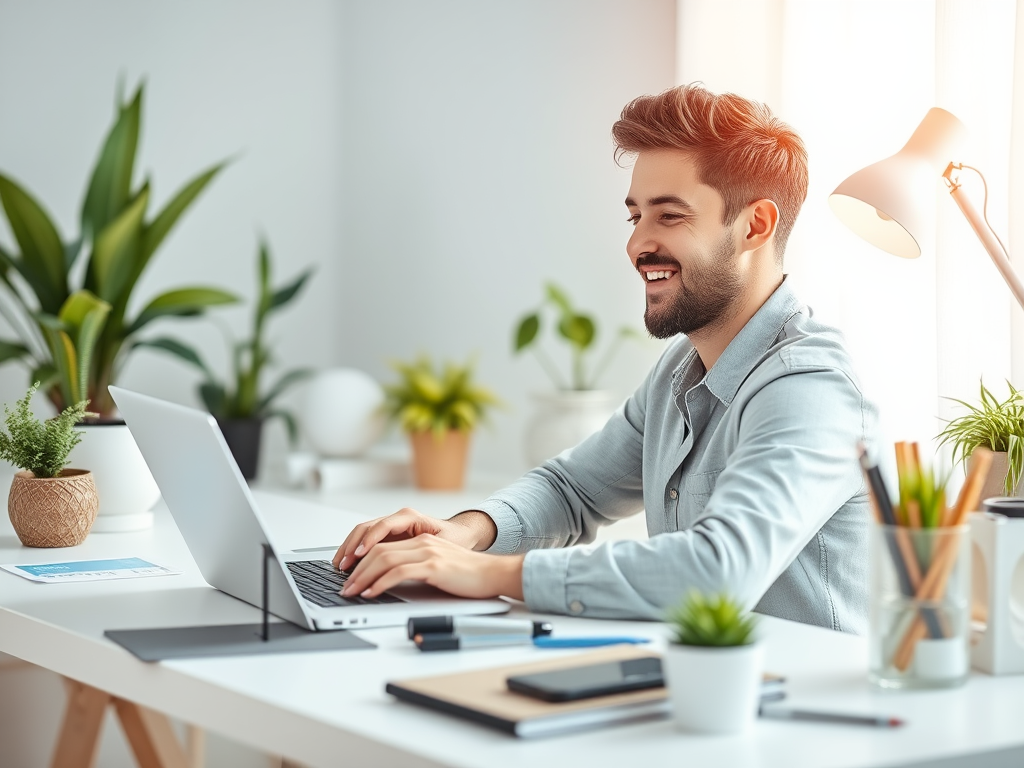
(53, 511)
(439, 461)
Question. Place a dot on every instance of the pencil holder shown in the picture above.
(997, 643)
(920, 606)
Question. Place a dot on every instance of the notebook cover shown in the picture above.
(482, 696)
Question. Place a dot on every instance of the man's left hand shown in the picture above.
(440, 563)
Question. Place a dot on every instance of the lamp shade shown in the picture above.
(888, 203)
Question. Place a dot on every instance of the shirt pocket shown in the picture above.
(699, 488)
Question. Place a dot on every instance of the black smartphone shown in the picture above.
(584, 682)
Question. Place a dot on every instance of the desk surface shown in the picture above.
(324, 707)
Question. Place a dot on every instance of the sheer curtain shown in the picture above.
(855, 78)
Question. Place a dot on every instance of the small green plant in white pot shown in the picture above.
(713, 665)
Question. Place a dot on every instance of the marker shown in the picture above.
(449, 642)
(476, 625)
(784, 713)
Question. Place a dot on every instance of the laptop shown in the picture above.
(222, 526)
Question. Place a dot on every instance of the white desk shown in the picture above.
(328, 708)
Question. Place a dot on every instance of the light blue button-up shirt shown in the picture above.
(748, 474)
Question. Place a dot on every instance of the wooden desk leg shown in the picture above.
(80, 731)
(151, 736)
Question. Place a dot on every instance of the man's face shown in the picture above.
(687, 258)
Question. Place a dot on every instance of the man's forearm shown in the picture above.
(480, 529)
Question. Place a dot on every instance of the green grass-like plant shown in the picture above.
(41, 447)
(574, 327)
(713, 621)
(241, 396)
(428, 400)
(993, 424)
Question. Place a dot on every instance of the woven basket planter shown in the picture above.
(53, 511)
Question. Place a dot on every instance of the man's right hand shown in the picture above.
(472, 530)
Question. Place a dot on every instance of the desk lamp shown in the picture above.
(887, 203)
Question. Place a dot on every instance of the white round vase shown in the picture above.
(124, 483)
(342, 414)
(562, 419)
(714, 690)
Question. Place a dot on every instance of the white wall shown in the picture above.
(477, 164)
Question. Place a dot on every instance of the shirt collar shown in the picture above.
(750, 344)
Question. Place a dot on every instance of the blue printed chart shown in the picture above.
(89, 570)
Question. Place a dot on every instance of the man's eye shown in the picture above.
(634, 219)
(672, 216)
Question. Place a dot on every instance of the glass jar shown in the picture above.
(920, 606)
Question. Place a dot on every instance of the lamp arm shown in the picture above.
(984, 232)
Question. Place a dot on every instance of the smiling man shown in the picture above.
(740, 445)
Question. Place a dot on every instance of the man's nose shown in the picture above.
(640, 243)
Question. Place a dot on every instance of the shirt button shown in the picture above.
(673, 493)
(576, 606)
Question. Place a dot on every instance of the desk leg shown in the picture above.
(151, 736)
(80, 731)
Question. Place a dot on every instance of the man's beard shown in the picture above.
(703, 298)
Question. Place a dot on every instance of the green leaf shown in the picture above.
(527, 331)
(109, 187)
(62, 351)
(282, 296)
(84, 314)
(214, 397)
(181, 302)
(116, 255)
(558, 297)
(179, 350)
(578, 329)
(157, 230)
(46, 374)
(42, 254)
(289, 423)
(288, 380)
(11, 350)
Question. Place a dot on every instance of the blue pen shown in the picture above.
(448, 642)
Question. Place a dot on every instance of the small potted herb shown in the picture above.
(49, 505)
(577, 408)
(998, 426)
(438, 409)
(713, 665)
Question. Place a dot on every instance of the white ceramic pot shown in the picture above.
(714, 690)
(124, 483)
(341, 413)
(564, 418)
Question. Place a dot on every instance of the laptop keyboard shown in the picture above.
(319, 583)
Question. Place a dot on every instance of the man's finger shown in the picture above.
(343, 556)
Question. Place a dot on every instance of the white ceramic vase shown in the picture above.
(124, 483)
(341, 413)
(562, 419)
(714, 690)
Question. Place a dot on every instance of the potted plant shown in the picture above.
(998, 426)
(438, 410)
(241, 405)
(49, 505)
(577, 408)
(713, 665)
(74, 308)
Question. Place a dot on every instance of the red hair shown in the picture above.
(741, 150)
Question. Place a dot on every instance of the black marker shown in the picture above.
(464, 626)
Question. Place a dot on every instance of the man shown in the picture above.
(740, 444)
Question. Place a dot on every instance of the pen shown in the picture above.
(476, 625)
(448, 642)
(784, 713)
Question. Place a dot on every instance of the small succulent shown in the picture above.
(425, 400)
(41, 447)
(715, 620)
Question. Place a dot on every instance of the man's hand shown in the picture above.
(440, 563)
(471, 530)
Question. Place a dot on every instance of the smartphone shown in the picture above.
(574, 683)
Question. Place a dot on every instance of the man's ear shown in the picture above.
(760, 219)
